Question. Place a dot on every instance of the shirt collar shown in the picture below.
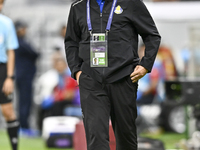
(99, 1)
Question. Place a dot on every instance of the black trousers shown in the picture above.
(100, 102)
(25, 98)
(3, 75)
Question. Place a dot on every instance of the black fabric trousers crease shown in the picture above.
(99, 102)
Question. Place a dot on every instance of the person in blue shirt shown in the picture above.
(8, 43)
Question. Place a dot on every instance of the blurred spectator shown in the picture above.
(151, 85)
(167, 59)
(59, 42)
(25, 70)
(61, 92)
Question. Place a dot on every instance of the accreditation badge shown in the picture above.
(98, 50)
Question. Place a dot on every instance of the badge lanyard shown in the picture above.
(98, 41)
(109, 19)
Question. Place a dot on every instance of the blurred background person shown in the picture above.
(168, 62)
(151, 86)
(150, 95)
(8, 42)
(64, 92)
(25, 61)
(59, 45)
(60, 93)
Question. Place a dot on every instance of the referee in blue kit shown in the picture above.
(8, 42)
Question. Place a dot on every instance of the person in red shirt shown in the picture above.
(65, 91)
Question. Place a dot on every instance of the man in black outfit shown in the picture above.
(26, 57)
(108, 30)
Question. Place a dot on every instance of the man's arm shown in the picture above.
(72, 39)
(8, 85)
(11, 45)
(146, 27)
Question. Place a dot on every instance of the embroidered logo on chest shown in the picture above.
(118, 10)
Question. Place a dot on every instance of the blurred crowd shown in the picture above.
(58, 94)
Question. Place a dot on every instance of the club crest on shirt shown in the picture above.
(118, 10)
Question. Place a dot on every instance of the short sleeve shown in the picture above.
(12, 41)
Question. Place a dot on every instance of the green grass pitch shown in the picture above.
(170, 139)
(24, 143)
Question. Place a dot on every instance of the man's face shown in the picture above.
(60, 65)
(21, 32)
(1, 4)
